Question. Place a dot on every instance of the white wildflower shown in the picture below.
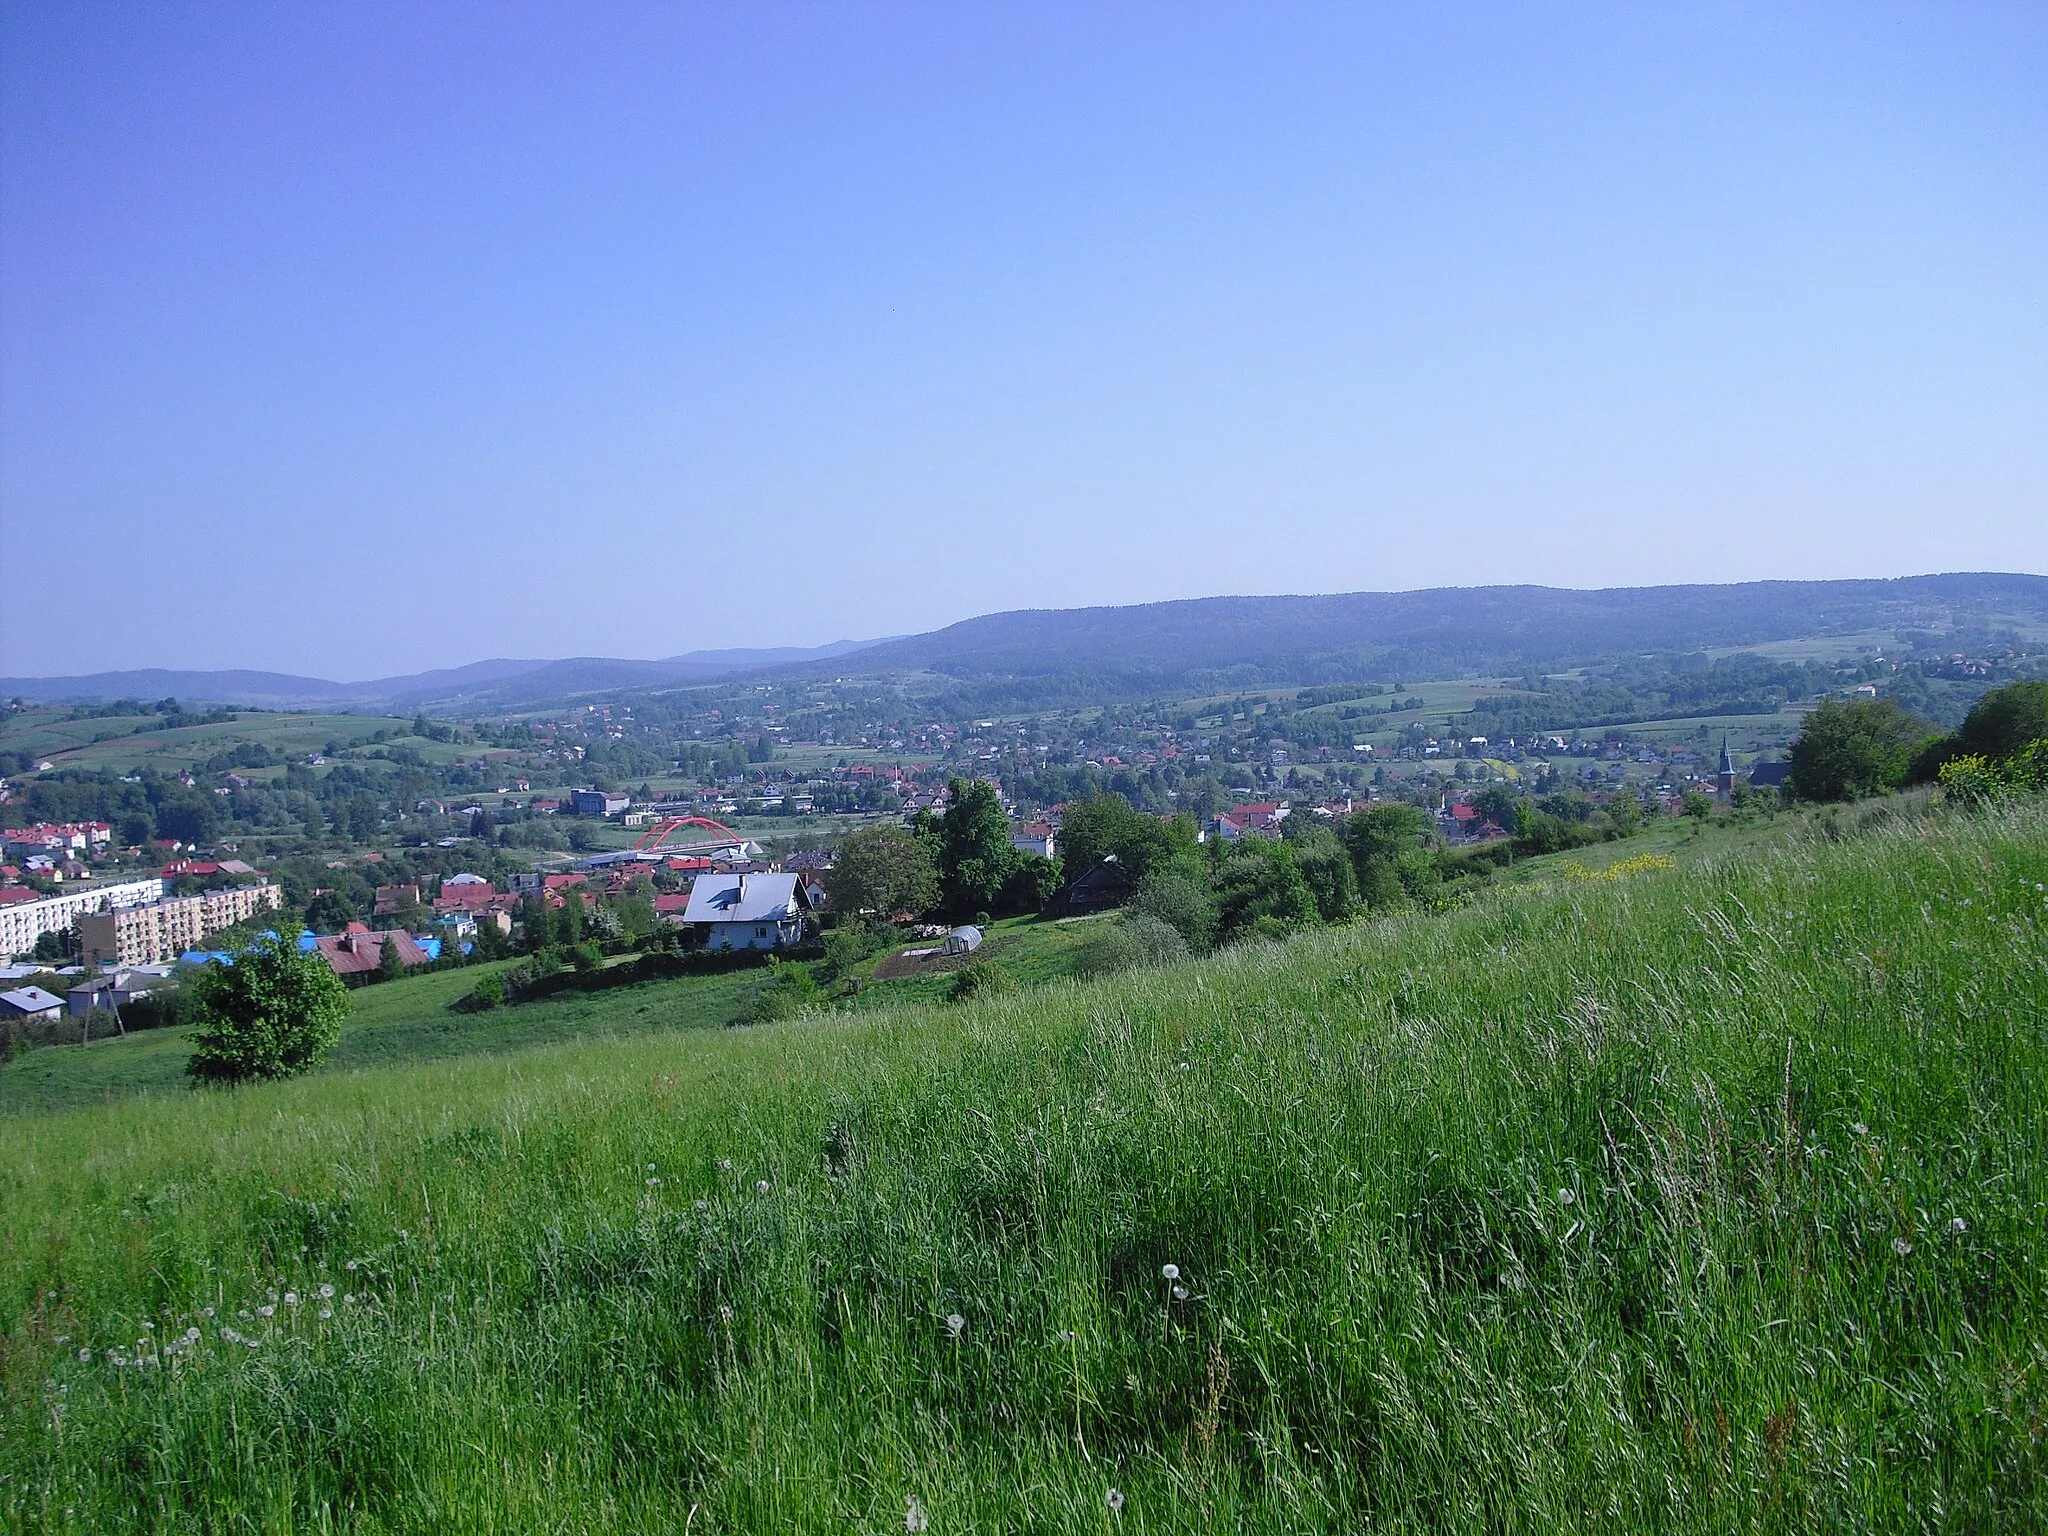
(327, 1293)
(1860, 1128)
(914, 1518)
(1565, 1197)
(1957, 1226)
(291, 1298)
(326, 1313)
(265, 1310)
(1115, 1502)
(1901, 1247)
(1169, 1271)
(1180, 1293)
(955, 1325)
(191, 1335)
(761, 1186)
(84, 1355)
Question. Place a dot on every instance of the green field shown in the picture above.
(1703, 1201)
(110, 745)
(393, 1024)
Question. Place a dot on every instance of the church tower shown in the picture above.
(1724, 780)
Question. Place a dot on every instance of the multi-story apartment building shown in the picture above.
(163, 930)
(23, 922)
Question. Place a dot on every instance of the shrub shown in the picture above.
(1846, 750)
(789, 990)
(273, 1013)
(1138, 942)
(980, 978)
(488, 993)
(1973, 777)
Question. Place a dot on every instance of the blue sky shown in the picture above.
(353, 339)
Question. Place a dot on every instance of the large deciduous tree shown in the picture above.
(882, 870)
(1847, 749)
(976, 855)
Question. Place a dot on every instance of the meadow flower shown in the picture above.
(326, 1313)
(350, 1265)
(914, 1518)
(1957, 1226)
(1901, 1247)
(1180, 1293)
(206, 1312)
(761, 1186)
(725, 1166)
(291, 1298)
(1115, 1502)
(231, 1335)
(191, 1335)
(265, 1310)
(653, 1183)
(955, 1324)
(349, 1300)
(327, 1293)
(1565, 1197)
(84, 1355)
(1860, 1128)
(1169, 1271)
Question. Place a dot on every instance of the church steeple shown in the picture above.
(1724, 781)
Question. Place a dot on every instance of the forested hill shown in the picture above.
(1449, 631)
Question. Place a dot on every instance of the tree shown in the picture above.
(1698, 805)
(1177, 894)
(57, 943)
(1104, 826)
(329, 912)
(1848, 749)
(1326, 868)
(2005, 720)
(1033, 883)
(976, 856)
(1385, 844)
(390, 964)
(1260, 891)
(273, 1013)
(884, 870)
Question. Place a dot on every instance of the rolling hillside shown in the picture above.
(1698, 1202)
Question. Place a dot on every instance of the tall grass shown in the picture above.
(1699, 1201)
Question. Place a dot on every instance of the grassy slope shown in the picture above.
(393, 1023)
(1603, 1207)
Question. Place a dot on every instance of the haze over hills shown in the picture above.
(1439, 632)
(498, 682)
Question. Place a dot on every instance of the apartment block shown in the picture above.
(163, 930)
(22, 923)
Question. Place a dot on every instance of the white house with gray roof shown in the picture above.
(749, 911)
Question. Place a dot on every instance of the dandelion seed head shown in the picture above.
(326, 1293)
(1169, 1271)
(761, 1186)
(1957, 1226)
(350, 1266)
(1565, 1197)
(291, 1298)
(191, 1335)
(326, 1313)
(955, 1324)
(1860, 1128)
(1901, 1247)
(1180, 1293)
(265, 1310)
(652, 1183)
(1115, 1501)
(84, 1355)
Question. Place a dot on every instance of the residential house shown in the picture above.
(30, 1003)
(393, 899)
(1039, 837)
(749, 911)
(358, 950)
(597, 802)
(1107, 885)
(108, 993)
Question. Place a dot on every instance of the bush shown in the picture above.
(1178, 895)
(980, 978)
(789, 990)
(273, 1013)
(1972, 777)
(1139, 942)
(488, 993)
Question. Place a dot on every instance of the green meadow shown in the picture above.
(1709, 1199)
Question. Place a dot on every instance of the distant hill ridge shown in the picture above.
(1437, 632)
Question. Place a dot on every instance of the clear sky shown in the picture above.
(357, 338)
